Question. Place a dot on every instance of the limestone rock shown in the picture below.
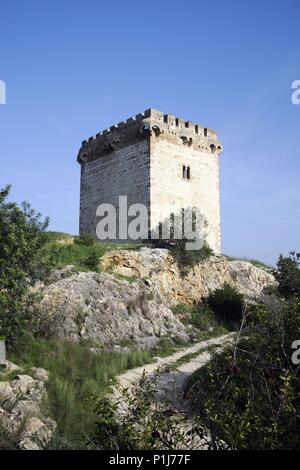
(62, 273)
(40, 374)
(36, 434)
(145, 262)
(7, 395)
(10, 367)
(104, 310)
(23, 383)
(20, 414)
(165, 277)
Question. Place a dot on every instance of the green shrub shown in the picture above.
(203, 318)
(61, 251)
(92, 262)
(144, 426)
(186, 259)
(21, 265)
(248, 396)
(227, 303)
(288, 275)
(85, 239)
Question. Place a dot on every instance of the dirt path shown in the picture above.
(172, 373)
(180, 372)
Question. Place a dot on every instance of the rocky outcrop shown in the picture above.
(107, 310)
(164, 276)
(20, 415)
(104, 311)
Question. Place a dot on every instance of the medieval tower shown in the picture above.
(157, 160)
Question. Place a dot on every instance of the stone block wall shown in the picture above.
(143, 158)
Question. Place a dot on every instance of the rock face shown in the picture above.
(105, 310)
(164, 276)
(20, 414)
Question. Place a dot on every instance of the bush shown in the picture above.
(92, 262)
(188, 258)
(136, 422)
(184, 258)
(227, 303)
(203, 318)
(177, 246)
(257, 380)
(85, 239)
(21, 265)
(288, 275)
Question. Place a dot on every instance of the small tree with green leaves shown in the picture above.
(21, 265)
(288, 275)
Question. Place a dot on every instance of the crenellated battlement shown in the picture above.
(158, 160)
(151, 123)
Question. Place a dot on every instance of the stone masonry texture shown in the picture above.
(143, 158)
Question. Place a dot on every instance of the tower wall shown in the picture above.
(123, 172)
(143, 158)
(170, 192)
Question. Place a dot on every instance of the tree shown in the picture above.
(21, 264)
(288, 275)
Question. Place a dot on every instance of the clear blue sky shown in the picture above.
(73, 68)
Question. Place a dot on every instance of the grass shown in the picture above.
(168, 346)
(77, 375)
(203, 319)
(64, 249)
(255, 262)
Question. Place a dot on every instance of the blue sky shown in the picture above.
(73, 68)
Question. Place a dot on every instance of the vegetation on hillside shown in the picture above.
(83, 251)
(258, 377)
(21, 265)
(255, 262)
(77, 375)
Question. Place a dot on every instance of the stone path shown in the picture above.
(181, 373)
(170, 380)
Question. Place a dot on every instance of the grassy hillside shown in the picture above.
(77, 375)
(255, 262)
(63, 249)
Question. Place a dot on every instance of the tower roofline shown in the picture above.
(150, 122)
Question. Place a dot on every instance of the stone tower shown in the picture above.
(158, 160)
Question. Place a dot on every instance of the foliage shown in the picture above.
(188, 258)
(62, 250)
(92, 262)
(227, 303)
(180, 224)
(184, 258)
(85, 239)
(202, 318)
(257, 380)
(76, 375)
(21, 265)
(288, 275)
(136, 420)
(257, 263)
